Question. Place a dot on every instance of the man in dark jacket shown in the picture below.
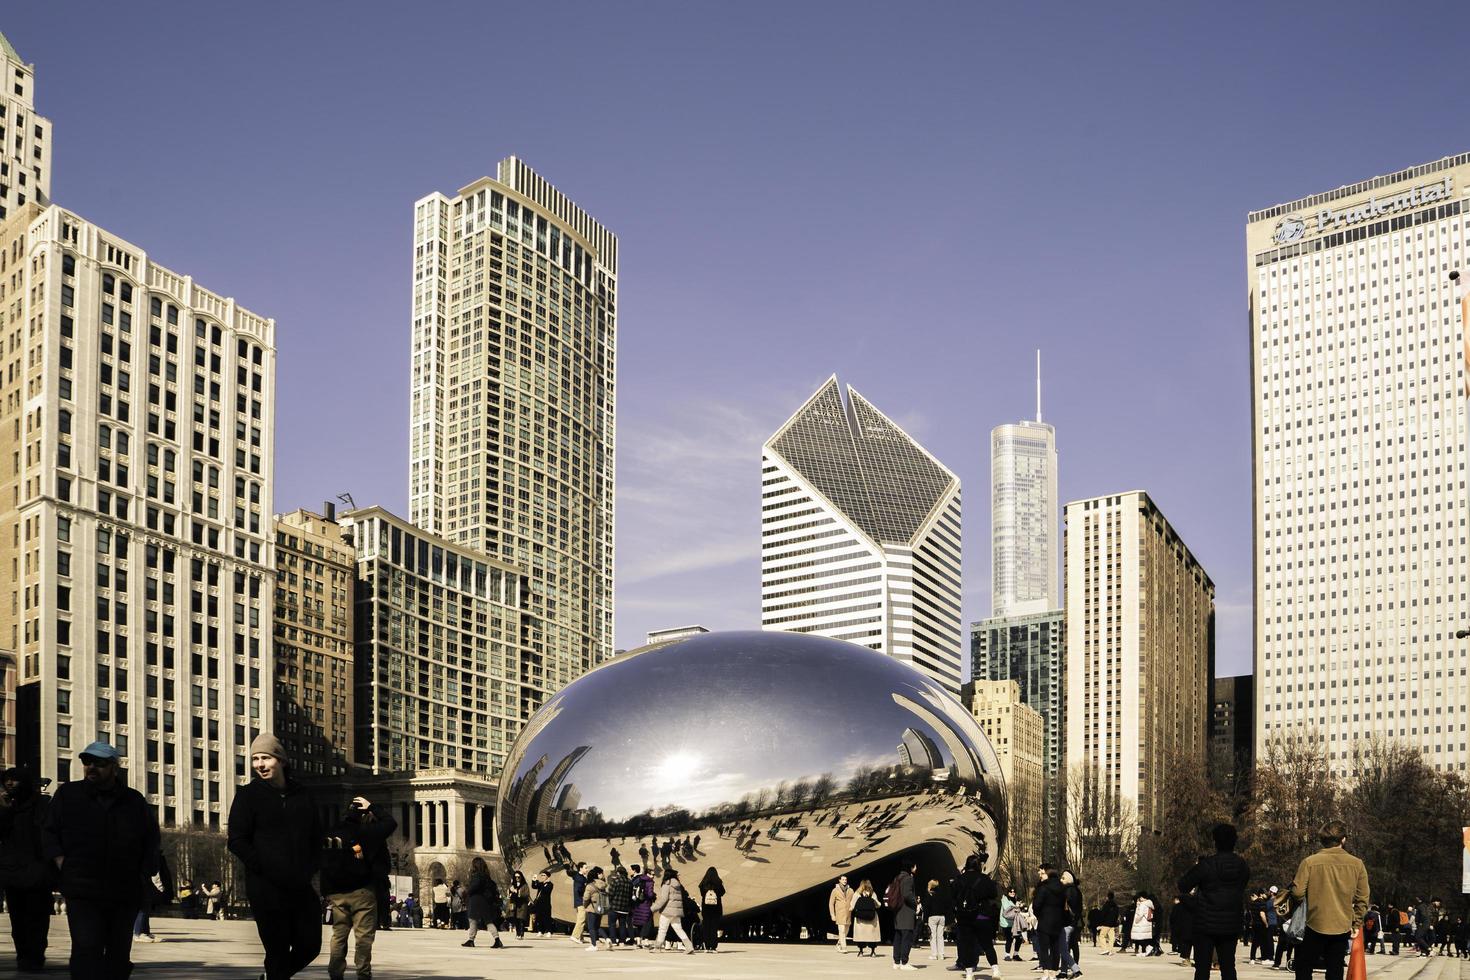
(104, 840)
(1049, 905)
(348, 885)
(25, 874)
(905, 916)
(1107, 924)
(276, 833)
(1219, 883)
(579, 885)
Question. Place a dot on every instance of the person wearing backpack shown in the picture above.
(712, 907)
(347, 883)
(619, 904)
(865, 929)
(641, 916)
(976, 916)
(594, 900)
(903, 899)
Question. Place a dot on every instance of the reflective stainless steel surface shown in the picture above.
(792, 758)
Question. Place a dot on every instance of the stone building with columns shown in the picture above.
(445, 818)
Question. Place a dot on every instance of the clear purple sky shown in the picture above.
(914, 195)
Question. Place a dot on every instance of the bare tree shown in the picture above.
(1101, 833)
(1293, 792)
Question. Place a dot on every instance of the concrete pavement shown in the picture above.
(204, 950)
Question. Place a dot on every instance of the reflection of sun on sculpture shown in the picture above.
(782, 759)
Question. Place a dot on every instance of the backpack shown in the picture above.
(865, 908)
(711, 898)
(893, 897)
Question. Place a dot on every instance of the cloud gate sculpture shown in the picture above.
(782, 759)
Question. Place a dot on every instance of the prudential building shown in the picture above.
(1359, 443)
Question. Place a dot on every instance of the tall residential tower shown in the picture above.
(860, 535)
(1359, 438)
(511, 441)
(1140, 654)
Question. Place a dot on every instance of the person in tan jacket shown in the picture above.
(839, 909)
(1334, 885)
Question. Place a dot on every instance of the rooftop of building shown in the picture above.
(1153, 506)
(859, 459)
(1362, 186)
(8, 50)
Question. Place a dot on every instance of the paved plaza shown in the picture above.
(203, 950)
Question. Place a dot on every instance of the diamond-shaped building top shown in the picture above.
(860, 534)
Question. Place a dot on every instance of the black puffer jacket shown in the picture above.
(109, 840)
(23, 863)
(277, 835)
(1221, 879)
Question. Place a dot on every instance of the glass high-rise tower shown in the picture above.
(860, 535)
(1024, 542)
(512, 401)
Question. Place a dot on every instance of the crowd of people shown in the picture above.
(1305, 925)
(97, 843)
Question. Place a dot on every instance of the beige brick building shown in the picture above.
(315, 570)
(1018, 734)
(1140, 651)
(136, 450)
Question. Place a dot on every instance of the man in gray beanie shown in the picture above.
(276, 832)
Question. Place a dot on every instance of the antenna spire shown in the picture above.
(1038, 386)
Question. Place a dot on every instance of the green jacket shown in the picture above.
(1335, 885)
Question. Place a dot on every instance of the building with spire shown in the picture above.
(1024, 640)
(1025, 546)
(860, 535)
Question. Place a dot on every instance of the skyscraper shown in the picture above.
(1358, 432)
(139, 413)
(1031, 651)
(1140, 653)
(513, 369)
(25, 138)
(860, 535)
(1024, 543)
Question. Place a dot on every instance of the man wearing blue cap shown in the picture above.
(104, 840)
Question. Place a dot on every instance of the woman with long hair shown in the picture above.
(712, 907)
(865, 931)
(484, 903)
(670, 906)
(519, 901)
